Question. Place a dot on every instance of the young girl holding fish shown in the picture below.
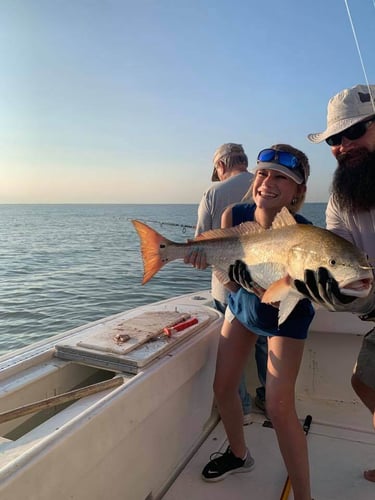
(280, 180)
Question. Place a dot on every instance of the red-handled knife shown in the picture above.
(180, 326)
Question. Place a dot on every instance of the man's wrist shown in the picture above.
(370, 316)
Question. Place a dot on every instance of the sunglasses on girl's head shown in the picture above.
(352, 133)
(280, 157)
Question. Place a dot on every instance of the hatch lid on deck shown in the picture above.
(97, 345)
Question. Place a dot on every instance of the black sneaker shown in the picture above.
(260, 403)
(222, 464)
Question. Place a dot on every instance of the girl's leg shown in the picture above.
(234, 348)
(284, 359)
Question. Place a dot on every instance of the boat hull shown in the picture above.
(129, 442)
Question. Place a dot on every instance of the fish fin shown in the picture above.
(278, 291)
(287, 306)
(281, 291)
(151, 241)
(227, 232)
(283, 218)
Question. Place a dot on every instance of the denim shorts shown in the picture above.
(365, 366)
(262, 319)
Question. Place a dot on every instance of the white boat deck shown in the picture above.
(338, 456)
(341, 439)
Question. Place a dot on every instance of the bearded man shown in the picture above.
(350, 213)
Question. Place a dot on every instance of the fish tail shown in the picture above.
(151, 243)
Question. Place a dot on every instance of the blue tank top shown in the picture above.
(262, 318)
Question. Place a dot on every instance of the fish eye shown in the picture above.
(332, 262)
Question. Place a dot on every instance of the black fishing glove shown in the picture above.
(322, 288)
(239, 273)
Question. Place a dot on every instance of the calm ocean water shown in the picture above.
(65, 265)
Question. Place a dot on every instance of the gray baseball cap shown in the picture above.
(228, 149)
(348, 107)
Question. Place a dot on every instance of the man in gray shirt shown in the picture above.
(230, 169)
(231, 181)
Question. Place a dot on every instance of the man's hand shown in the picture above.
(322, 288)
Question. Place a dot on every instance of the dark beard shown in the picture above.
(353, 184)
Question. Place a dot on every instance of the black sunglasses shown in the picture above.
(352, 133)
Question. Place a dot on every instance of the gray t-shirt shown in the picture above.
(356, 227)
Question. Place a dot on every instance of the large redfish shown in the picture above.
(275, 257)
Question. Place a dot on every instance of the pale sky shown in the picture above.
(120, 101)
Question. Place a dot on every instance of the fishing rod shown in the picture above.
(288, 484)
(161, 223)
(359, 50)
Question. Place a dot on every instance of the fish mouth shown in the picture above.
(357, 288)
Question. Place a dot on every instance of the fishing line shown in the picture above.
(161, 223)
(359, 50)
